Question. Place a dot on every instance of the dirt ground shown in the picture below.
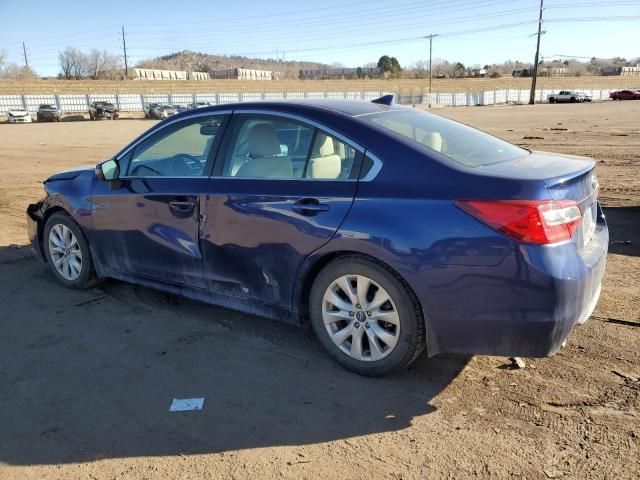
(86, 378)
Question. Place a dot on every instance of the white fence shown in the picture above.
(133, 102)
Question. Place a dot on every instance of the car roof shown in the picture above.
(351, 108)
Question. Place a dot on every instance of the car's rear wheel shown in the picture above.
(67, 252)
(365, 317)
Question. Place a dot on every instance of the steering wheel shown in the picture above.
(137, 168)
(184, 162)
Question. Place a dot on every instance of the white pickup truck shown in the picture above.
(568, 96)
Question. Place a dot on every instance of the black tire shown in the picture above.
(87, 277)
(411, 340)
(552, 100)
(572, 100)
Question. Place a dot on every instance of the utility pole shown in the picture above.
(532, 94)
(430, 37)
(24, 49)
(124, 46)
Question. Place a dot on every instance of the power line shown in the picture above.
(347, 24)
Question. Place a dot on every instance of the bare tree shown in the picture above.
(80, 64)
(419, 69)
(101, 64)
(73, 64)
(65, 60)
(439, 66)
(13, 71)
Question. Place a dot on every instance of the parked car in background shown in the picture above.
(181, 108)
(568, 96)
(631, 94)
(393, 230)
(99, 110)
(147, 107)
(199, 105)
(48, 112)
(19, 115)
(162, 111)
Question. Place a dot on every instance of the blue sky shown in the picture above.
(351, 32)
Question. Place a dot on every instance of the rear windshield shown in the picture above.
(462, 144)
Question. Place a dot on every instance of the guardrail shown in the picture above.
(133, 102)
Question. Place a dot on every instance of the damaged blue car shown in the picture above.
(391, 230)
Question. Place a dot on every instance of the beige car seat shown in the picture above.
(324, 162)
(264, 155)
(434, 141)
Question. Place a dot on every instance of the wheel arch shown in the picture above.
(309, 275)
(53, 209)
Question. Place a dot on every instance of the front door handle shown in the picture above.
(310, 206)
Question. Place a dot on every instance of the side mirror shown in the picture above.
(108, 171)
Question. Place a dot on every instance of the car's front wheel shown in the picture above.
(67, 252)
(365, 317)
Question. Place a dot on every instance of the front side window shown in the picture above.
(458, 142)
(178, 150)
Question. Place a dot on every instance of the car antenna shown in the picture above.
(384, 100)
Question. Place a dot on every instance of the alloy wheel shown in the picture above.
(65, 252)
(361, 318)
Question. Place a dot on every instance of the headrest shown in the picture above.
(263, 141)
(433, 140)
(323, 146)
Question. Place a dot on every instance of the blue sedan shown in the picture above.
(391, 230)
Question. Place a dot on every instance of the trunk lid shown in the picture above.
(567, 178)
(582, 187)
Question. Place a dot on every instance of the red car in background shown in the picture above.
(631, 94)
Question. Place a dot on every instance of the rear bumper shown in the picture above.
(526, 306)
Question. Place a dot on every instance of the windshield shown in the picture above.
(458, 142)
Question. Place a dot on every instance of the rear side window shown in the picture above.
(274, 147)
(330, 159)
(268, 147)
(460, 143)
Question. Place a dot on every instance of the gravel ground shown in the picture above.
(86, 378)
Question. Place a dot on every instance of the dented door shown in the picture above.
(256, 233)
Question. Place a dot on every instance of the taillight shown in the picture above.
(540, 222)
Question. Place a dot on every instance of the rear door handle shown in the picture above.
(310, 206)
(182, 203)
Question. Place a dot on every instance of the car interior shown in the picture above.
(279, 149)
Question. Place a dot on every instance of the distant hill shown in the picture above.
(204, 62)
